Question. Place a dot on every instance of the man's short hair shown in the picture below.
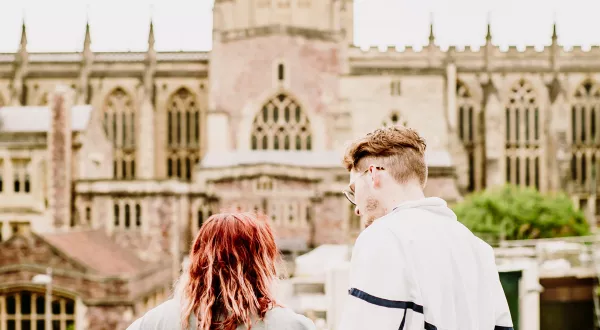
(400, 150)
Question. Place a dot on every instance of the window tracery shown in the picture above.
(119, 125)
(470, 135)
(584, 135)
(281, 125)
(522, 118)
(183, 134)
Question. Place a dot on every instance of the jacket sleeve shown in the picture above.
(137, 325)
(502, 311)
(379, 295)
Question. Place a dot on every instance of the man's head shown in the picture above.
(385, 164)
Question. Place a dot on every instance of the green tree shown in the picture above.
(511, 212)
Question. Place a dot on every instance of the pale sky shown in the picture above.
(122, 25)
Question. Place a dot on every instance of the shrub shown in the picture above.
(511, 213)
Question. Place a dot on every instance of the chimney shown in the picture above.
(59, 157)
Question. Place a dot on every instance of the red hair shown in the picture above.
(232, 265)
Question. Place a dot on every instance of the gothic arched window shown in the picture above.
(522, 115)
(585, 113)
(281, 125)
(119, 125)
(183, 134)
(468, 132)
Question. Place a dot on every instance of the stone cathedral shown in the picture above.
(110, 162)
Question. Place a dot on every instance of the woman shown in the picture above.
(228, 283)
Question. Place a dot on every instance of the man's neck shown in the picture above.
(402, 194)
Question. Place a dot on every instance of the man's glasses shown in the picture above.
(349, 193)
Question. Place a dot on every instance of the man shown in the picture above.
(414, 266)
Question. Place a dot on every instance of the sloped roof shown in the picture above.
(319, 159)
(96, 250)
(35, 119)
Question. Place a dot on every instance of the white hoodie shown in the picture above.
(419, 268)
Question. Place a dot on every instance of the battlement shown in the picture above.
(475, 57)
(528, 50)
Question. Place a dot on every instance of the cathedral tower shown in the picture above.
(270, 53)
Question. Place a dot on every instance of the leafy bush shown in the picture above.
(513, 213)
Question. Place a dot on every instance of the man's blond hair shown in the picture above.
(400, 150)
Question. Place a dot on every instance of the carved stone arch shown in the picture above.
(539, 90)
(107, 89)
(281, 124)
(588, 87)
(522, 89)
(170, 89)
(572, 84)
(183, 133)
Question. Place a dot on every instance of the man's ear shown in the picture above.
(375, 178)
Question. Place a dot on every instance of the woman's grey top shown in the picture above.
(166, 316)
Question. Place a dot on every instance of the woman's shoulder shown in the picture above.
(286, 319)
(164, 316)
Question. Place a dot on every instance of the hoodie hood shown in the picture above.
(432, 204)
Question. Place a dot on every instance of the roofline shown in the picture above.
(101, 57)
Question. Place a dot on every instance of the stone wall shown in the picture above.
(108, 317)
(108, 301)
(298, 218)
(331, 220)
(95, 157)
(419, 100)
(243, 76)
